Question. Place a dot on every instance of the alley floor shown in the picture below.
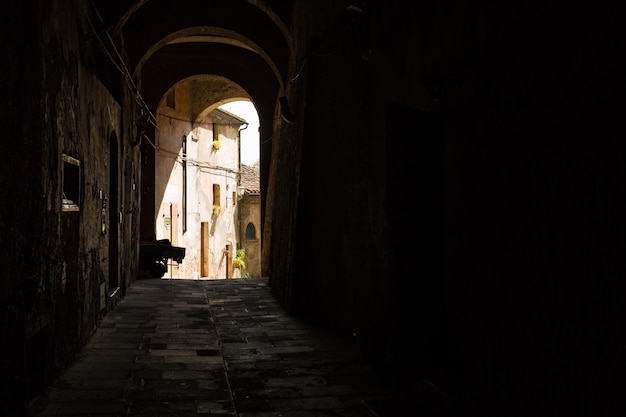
(180, 348)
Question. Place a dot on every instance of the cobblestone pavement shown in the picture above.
(176, 348)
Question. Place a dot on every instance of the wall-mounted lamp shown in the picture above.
(241, 190)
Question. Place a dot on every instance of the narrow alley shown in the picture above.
(439, 207)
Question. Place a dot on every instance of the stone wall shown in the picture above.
(456, 226)
(57, 282)
(249, 212)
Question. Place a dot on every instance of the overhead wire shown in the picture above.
(194, 162)
(121, 65)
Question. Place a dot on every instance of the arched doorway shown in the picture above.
(113, 213)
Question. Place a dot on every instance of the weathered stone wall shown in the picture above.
(249, 212)
(328, 261)
(442, 195)
(56, 278)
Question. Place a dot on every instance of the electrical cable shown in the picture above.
(194, 162)
(121, 66)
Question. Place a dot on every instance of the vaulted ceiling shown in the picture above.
(244, 41)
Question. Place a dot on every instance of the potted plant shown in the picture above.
(238, 262)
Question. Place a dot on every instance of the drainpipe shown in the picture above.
(245, 126)
(242, 127)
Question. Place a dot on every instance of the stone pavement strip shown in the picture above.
(177, 348)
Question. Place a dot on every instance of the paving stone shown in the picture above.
(217, 348)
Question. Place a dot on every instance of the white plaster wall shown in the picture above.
(206, 166)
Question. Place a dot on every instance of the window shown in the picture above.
(216, 200)
(71, 184)
(250, 232)
(216, 132)
(216, 137)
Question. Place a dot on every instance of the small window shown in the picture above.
(216, 200)
(216, 137)
(216, 132)
(216, 195)
(71, 184)
(250, 232)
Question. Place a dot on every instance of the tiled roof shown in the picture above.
(228, 116)
(250, 179)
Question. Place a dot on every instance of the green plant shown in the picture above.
(239, 259)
